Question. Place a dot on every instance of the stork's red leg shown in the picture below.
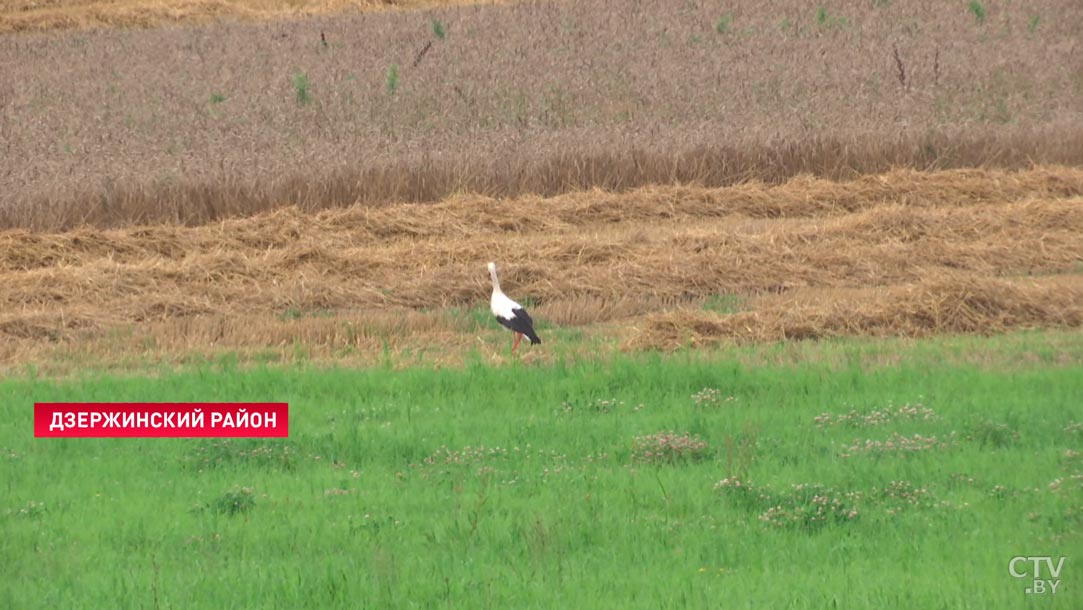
(518, 337)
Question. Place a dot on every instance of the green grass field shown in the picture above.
(526, 487)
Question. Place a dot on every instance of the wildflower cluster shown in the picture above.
(806, 506)
(550, 472)
(31, 510)
(1072, 457)
(949, 505)
(598, 405)
(603, 405)
(732, 483)
(822, 511)
(466, 455)
(899, 445)
(961, 479)
(501, 465)
(710, 397)
(668, 448)
(902, 495)
(1074, 481)
(226, 452)
(811, 506)
(905, 491)
(742, 492)
(591, 458)
(878, 417)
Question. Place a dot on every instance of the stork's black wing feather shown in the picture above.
(521, 323)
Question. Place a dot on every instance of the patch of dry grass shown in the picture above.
(904, 253)
(947, 304)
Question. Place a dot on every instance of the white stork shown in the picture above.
(511, 314)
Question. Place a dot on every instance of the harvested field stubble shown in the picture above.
(948, 304)
(903, 253)
(189, 125)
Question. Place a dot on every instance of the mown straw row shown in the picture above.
(325, 262)
(932, 248)
(464, 216)
(946, 303)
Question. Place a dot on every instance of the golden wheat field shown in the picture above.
(903, 253)
(196, 123)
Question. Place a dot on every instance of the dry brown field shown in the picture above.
(904, 253)
(193, 124)
(648, 175)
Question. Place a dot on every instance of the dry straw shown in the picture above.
(906, 253)
(948, 303)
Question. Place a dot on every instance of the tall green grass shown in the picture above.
(517, 487)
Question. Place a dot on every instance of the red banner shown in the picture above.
(160, 419)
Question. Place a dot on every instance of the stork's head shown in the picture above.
(492, 271)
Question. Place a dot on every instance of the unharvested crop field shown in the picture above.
(194, 124)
